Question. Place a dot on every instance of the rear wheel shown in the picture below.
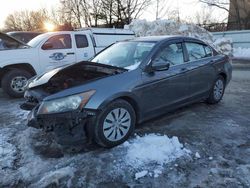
(14, 82)
(114, 124)
(217, 91)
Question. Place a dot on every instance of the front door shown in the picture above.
(162, 89)
(57, 51)
(201, 71)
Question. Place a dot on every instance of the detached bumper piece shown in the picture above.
(69, 127)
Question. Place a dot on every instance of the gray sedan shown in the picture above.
(126, 84)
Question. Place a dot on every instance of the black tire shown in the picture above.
(213, 99)
(98, 128)
(7, 80)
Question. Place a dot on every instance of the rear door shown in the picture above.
(165, 88)
(57, 51)
(199, 66)
(84, 47)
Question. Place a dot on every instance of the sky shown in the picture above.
(10, 6)
(187, 8)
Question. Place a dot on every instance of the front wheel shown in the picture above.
(14, 82)
(114, 124)
(217, 91)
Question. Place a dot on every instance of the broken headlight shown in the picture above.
(65, 104)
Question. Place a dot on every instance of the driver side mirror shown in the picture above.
(47, 46)
(157, 65)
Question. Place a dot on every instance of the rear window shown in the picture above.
(81, 41)
(209, 51)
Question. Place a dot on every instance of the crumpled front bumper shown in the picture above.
(68, 127)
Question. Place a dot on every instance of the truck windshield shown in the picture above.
(127, 55)
(37, 40)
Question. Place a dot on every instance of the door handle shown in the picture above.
(184, 69)
(70, 53)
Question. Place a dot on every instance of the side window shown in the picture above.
(172, 53)
(195, 51)
(58, 42)
(209, 51)
(81, 41)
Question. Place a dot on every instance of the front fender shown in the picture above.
(122, 95)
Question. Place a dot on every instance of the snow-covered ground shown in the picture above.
(241, 53)
(198, 146)
(147, 153)
(21, 158)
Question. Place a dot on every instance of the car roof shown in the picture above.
(162, 38)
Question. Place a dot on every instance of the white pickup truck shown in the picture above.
(19, 62)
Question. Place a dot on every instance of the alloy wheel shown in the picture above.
(116, 124)
(218, 89)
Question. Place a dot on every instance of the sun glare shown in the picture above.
(49, 26)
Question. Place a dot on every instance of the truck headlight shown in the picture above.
(65, 104)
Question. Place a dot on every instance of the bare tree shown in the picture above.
(131, 9)
(165, 9)
(26, 20)
(81, 13)
(13, 22)
(239, 12)
(204, 16)
(108, 11)
(96, 11)
(121, 12)
(73, 11)
(222, 4)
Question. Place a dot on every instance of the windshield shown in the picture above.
(36, 41)
(8, 43)
(126, 55)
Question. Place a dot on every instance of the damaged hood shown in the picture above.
(43, 78)
(74, 74)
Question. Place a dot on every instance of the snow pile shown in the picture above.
(197, 155)
(224, 45)
(141, 174)
(241, 53)
(7, 150)
(167, 27)
(154, 148)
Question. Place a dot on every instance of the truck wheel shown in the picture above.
(14, 82)
(114, 124)
(217, 91)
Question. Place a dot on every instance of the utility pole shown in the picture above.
(157, 9)
(178, 11)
